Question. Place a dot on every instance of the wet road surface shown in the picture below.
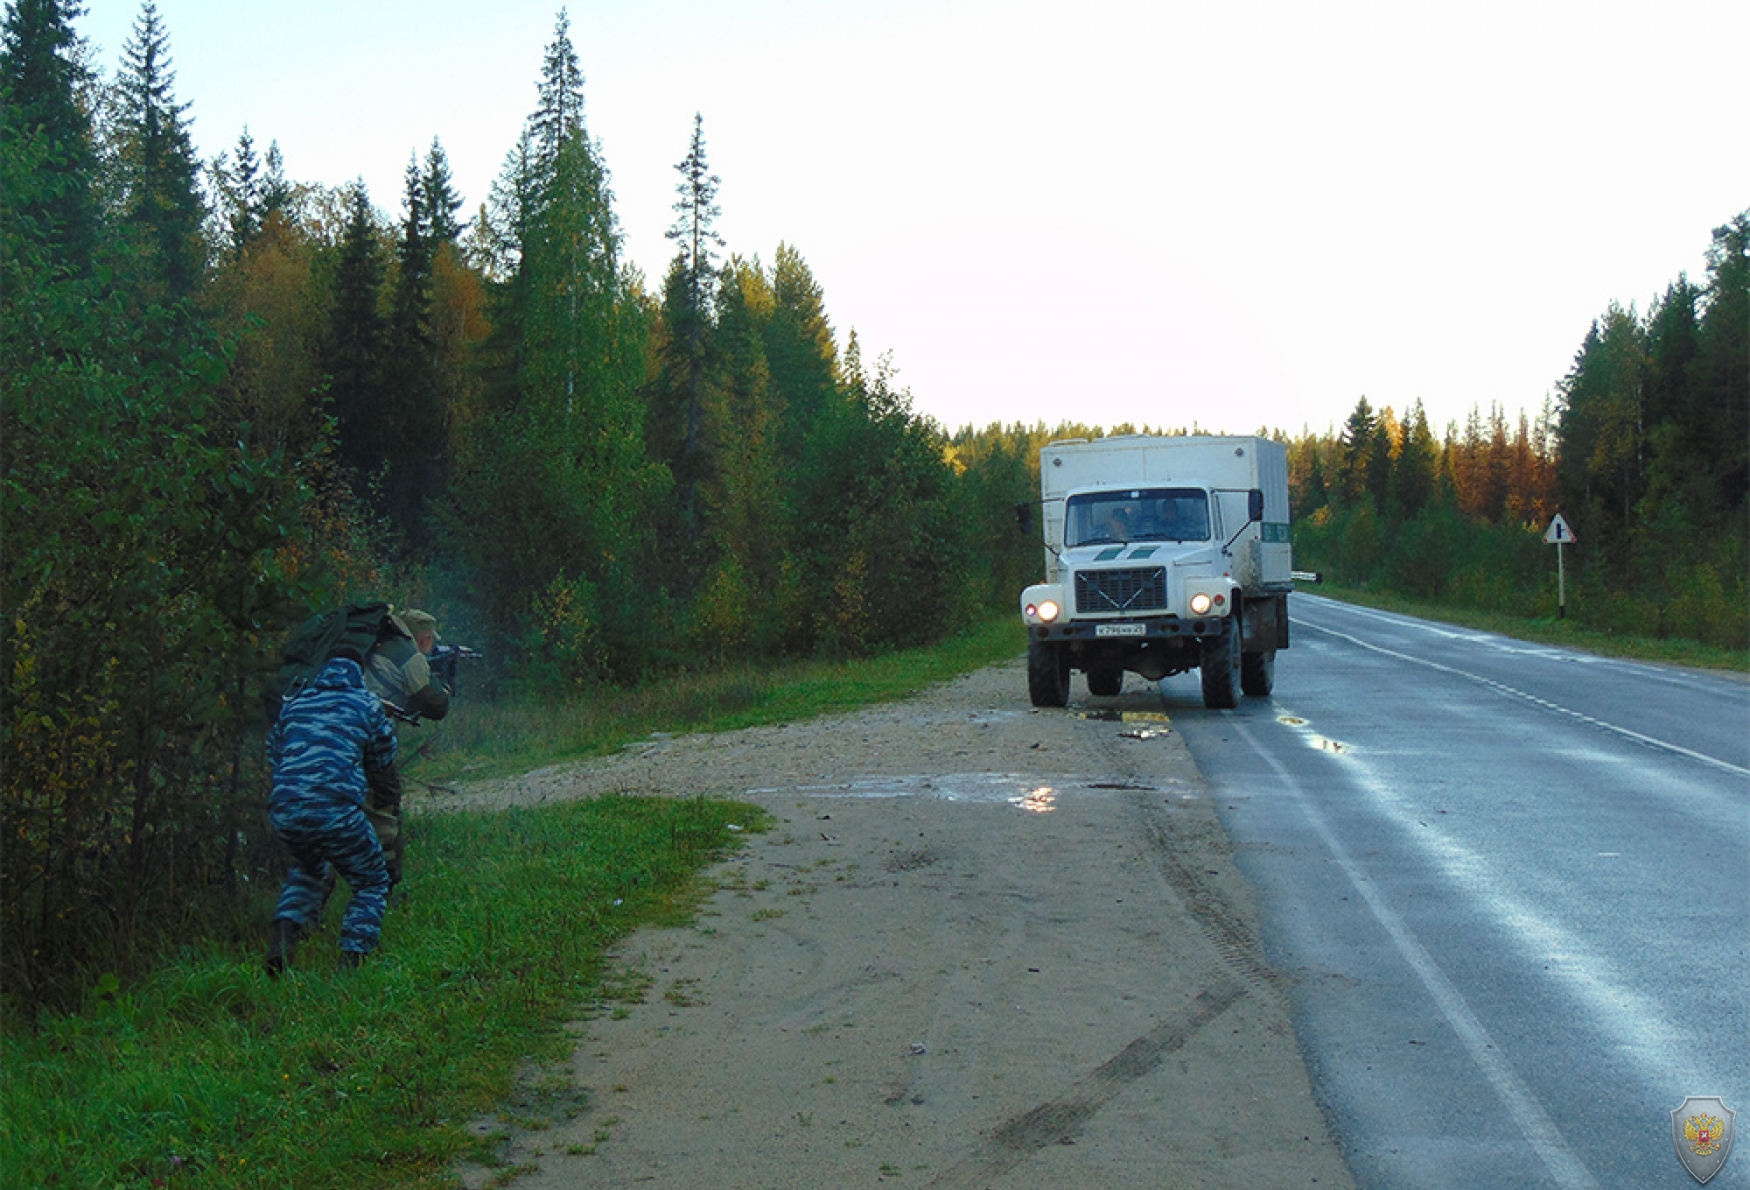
(1512, 887)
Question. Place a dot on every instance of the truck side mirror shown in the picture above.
(1255, 505)
(1024, 517)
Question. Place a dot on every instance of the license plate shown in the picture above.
(1120, 630)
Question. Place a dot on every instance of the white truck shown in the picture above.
(1162, 555)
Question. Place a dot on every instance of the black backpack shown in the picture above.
(350, 631)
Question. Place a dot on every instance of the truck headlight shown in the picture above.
(1045, 611)
(1200, 604)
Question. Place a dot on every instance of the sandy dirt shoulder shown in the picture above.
(983, 947)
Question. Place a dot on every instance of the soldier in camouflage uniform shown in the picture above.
(331, 745)
(398, 673)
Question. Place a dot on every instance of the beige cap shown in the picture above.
(419, 623)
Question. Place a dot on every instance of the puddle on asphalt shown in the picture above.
(1312, 738)
(1031, 794)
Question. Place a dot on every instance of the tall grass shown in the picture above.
(208, 1074)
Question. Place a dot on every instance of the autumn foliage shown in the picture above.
(230, 399)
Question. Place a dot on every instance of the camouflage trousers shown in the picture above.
(326, 837)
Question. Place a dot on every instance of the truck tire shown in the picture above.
(1105, 682)
(1258, 673)
(1047, 674)
(1221, 669)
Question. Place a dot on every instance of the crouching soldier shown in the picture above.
(398, 671)
(330, 747)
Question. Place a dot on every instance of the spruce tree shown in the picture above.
(740, 492)
(1417, 467)
(51, 165)
(558, 115)
(553, 486)
(800, 346)
(240, 183)
(413, 413)
(440, 197)
(1359, 433)
(680, 393)
(1720, 372)
(353, 354)
(161, 197)
(277, 194)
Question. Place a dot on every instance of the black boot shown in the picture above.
(280, 948)
(351, 960)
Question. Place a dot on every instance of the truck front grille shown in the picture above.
(1139, 590)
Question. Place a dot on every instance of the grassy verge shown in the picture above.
(1569, 633)
(490, 740)
(209, 1075)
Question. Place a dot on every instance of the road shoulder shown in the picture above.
(983, 946)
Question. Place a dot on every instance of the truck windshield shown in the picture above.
(1138, 514)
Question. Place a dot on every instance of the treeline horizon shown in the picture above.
(232, 399)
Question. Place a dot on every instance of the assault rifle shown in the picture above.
(445, 662)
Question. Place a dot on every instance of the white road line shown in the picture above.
(1511, 692)
(1539, 1130)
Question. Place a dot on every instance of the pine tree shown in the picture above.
(160, 174)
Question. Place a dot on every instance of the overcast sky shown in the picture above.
(1241, 216)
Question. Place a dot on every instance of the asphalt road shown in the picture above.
(1512, 886)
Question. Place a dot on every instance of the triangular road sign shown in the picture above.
(1558, 532)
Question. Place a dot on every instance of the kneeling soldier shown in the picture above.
(330, 746)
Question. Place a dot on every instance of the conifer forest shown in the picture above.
(231, 398)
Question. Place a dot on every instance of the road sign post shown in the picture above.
(1558, 534)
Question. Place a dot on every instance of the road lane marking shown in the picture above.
(1539, 1130)
(1511, 692)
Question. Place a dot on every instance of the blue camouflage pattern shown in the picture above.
(329, 735)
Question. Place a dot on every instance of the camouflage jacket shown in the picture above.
(332, 740)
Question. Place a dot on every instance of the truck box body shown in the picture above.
(1230, 467)
(1162, 554)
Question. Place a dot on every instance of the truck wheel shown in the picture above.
(1105, 682)
(1047, 674)
(1221, 669)
(1258, 673)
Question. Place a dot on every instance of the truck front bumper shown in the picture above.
(1120, 631)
